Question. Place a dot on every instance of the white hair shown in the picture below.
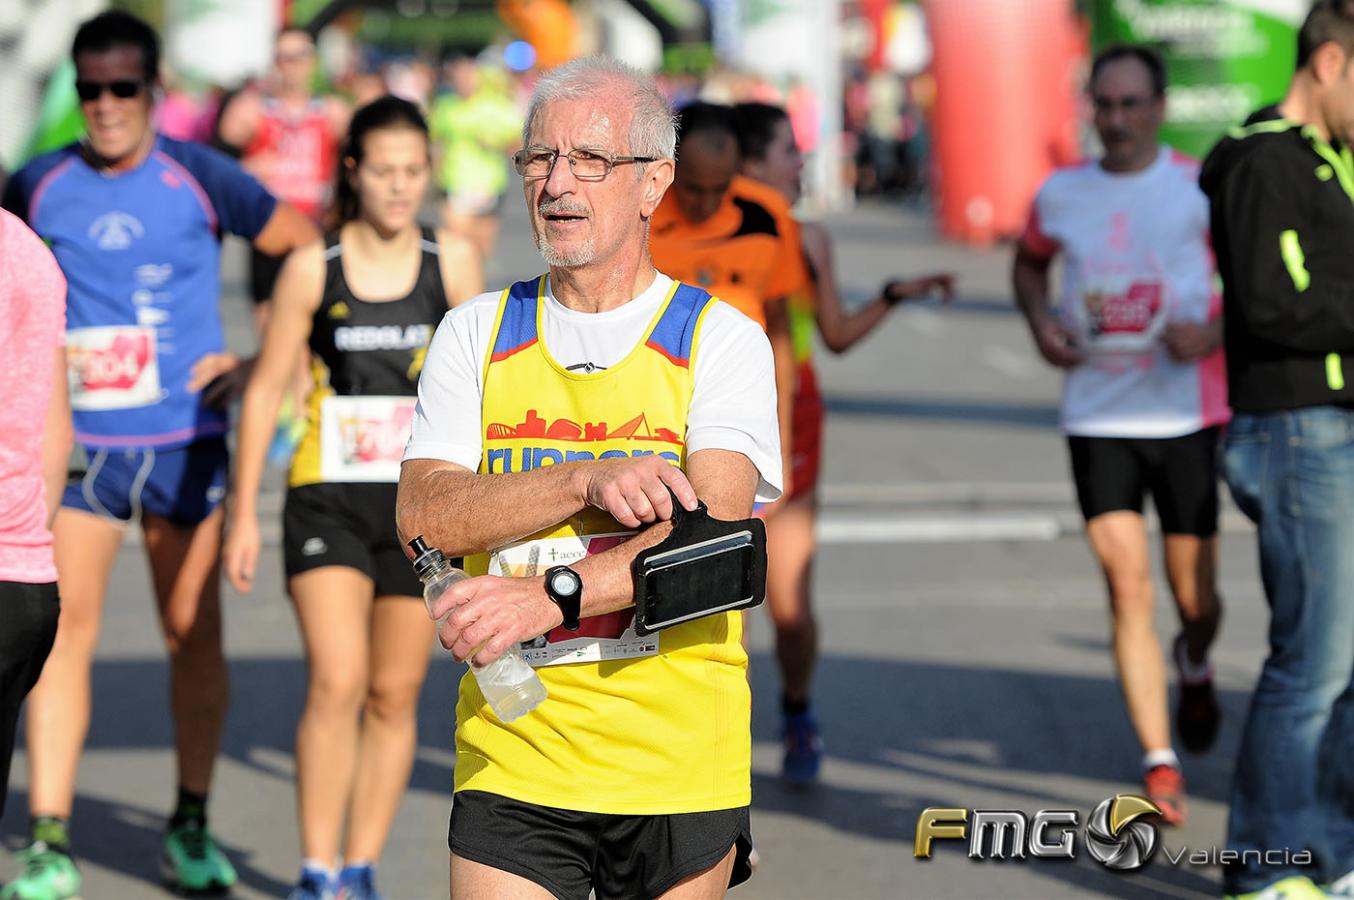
(653, 131)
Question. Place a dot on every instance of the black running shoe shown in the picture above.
(1198, 714)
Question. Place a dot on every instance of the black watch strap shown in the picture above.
(564, 587)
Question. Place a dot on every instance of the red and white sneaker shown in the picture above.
(1165, 786)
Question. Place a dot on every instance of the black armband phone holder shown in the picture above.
(705, 566)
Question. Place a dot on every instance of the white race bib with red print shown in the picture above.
(1121, 314)
(112, 367)
(609, 636)
(363, 438)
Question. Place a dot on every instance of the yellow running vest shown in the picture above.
(632, 726)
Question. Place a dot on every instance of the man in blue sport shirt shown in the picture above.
(135, 220)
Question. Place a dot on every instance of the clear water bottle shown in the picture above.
(510, 686)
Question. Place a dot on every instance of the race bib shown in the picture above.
(1122, 315)
(112, 367)
(363, 438)
(610, 636)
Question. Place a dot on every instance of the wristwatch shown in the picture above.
(565, 590)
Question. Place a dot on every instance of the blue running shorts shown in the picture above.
(181, 484)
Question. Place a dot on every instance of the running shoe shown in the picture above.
(47, 874)
(192, 862)
(1197, 715)
(1299, 887)
(803, 749)
(357, 883)
(1165, 787)
(312, 885)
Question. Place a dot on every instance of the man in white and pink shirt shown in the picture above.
(1138, 334)
(35, 444)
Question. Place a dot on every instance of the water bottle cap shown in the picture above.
(425, 558)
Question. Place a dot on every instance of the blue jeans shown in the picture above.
(1292, 473)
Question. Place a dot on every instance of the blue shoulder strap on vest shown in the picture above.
(517, 328)
(676, 330)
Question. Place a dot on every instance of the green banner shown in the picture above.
(1224, 58)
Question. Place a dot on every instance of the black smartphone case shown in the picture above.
(705, 566)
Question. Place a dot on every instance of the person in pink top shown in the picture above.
(35, 443)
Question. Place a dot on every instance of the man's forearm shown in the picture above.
(1029, 278)
(608, 580)
(463, 512)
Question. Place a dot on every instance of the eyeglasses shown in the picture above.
(587, 165)
(89, 91)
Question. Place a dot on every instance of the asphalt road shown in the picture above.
(964, 638)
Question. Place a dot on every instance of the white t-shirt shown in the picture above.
(1136, 255)
(733, 401)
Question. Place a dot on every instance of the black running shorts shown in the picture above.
(1180, 473)
(349, 525)
(571, 854)
(27, 629)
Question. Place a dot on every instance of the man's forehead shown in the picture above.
(579, 123)
(117, 58)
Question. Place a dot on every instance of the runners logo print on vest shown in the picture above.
(533, 426)
(116, 230)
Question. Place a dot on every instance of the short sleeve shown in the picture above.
(39, 286)
(1034, 240)
(243, 206)
(787, 274)
(733, 401)
(451, 387)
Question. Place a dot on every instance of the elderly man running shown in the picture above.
(553, 419)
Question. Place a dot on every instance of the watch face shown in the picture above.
(564, 583)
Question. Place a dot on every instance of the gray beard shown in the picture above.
(580, 257)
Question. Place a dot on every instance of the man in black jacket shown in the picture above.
(1281, 191)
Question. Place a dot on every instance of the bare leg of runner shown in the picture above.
(476, 881)
(185, 568)
(401, 644)
(59, 705)
(1191, 569)
(712, 884)
(334, 608)
(789, 571)
(1119, 540)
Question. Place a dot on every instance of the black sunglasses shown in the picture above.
(90, 91)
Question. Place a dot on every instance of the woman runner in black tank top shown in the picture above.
(365, 302)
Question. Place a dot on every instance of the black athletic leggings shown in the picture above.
(28, 614)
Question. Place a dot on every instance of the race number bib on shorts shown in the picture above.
(112, 367)
(609, 636)
(1122, 315)
(363, 438)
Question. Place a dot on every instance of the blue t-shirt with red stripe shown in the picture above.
(141, 252)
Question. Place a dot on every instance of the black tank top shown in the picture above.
(361, 348)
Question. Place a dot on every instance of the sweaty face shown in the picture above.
(782, 165)
(578, 223)
(705, 169)
(117, 127)
(1128, 114)
(392, 177)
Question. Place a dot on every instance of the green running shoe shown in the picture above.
(192, 862)
(47, 875)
